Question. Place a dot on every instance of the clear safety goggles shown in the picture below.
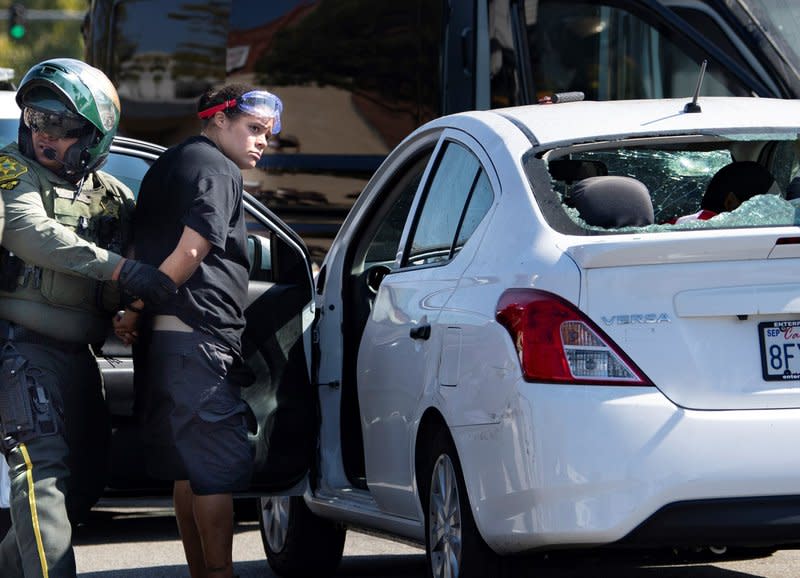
(55, 124)
(259, 103)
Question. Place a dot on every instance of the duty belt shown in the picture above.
(14, 332)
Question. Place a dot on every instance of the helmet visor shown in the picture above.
(259, 103)
(55, 124)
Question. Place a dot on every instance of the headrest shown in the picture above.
(744, 179)
(613, 201)
(571, 170)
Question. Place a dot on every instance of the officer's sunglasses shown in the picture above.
(259, 103)
(55, 125)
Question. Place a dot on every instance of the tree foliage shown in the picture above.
(43, 38)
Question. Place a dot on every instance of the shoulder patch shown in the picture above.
(10, 171)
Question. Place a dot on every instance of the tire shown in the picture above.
(299, 544)
(453, 546)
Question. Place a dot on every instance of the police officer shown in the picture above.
(66, 228)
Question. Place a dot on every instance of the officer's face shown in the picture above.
(243, 138)
(50, 151)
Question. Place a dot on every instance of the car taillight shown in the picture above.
(557, 343)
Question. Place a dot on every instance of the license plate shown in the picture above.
(780, 350)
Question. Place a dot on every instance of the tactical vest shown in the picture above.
(68, 306)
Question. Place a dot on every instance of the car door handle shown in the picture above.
(420, 332)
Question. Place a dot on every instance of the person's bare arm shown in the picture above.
(178, 266)
(186, 257)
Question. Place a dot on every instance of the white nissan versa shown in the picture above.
(561, 326)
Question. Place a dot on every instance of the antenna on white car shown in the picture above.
(693, 106)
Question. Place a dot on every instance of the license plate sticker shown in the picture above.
(780, 350)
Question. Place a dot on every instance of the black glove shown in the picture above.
(142, 281)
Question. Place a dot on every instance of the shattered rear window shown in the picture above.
(760, 211)
(678, 174)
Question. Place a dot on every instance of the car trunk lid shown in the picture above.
(714, 321)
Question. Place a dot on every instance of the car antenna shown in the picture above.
(693, 106)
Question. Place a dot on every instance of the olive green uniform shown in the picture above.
(55, 302)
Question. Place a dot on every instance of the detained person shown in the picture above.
(190, 223)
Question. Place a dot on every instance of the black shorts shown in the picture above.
(195, 419)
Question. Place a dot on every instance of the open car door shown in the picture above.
(276, 346)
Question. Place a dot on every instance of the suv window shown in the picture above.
(781, 22)
(607, 52)
(171, 59)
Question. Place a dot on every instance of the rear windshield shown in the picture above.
(671, 184)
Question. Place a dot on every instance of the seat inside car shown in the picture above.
(572, 170)
(735, 183)
(612, 201)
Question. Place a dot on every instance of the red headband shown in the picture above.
(209, 112)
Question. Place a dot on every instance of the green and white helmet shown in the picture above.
(70, 90)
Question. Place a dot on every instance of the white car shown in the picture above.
(528, 337)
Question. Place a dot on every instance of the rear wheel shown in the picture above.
(454, 547)
(298, 543)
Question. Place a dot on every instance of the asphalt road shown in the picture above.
(142, 542)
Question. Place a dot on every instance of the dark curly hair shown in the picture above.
(217, 96)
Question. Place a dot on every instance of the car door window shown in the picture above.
(383, 246)
(383, 232)
(457, 198)
(129, 169)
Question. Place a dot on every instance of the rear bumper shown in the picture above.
(759, 521)
(595, 466)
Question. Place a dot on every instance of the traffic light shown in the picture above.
(16, 21)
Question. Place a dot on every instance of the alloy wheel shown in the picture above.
(445, 529)
(275, 513)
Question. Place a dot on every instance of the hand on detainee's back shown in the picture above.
(145, 282)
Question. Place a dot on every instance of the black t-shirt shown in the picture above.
(194, 184)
